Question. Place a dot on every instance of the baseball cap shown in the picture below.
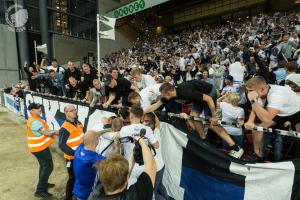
(229, 77)
(107, 79)
(34, 106)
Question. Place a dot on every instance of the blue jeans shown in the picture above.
(160, 191)
(276, 141)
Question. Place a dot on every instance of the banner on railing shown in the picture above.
(14, 104)
(193, 169)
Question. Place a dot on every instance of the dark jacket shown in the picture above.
(141, 190)
(68, 73)
(263, 70)
(193, 74)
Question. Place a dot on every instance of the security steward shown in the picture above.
(71, 136)
(39, 138)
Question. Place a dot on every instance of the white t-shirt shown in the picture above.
(104, 140)
(283, 99)
(182, 63)
(146, 81)
(211, 72)
(188, 76)
(60, 69)
(195, 55)
(134, 130)
(158, 158)
(98, 127)
(137, 170)
(149, 95)
(231, 113)
(229, 88)
(237, 71)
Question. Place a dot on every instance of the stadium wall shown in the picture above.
(212, 8)
(283, 6)
(125, 35)
(66, 47)
(9, 70)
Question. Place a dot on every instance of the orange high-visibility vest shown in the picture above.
(37, 143)
(75, 138)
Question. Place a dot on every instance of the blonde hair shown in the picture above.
(255, 81)
(234, 99)
(113, 172)
(168, 79)
(85, 65)
(136, 71)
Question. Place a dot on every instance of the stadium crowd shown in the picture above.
(244, 72)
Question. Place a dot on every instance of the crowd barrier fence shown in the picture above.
(193, 169)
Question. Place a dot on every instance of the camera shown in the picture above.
(137, 150)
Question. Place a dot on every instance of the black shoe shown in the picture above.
(254, 158)
(50, 185)
(43, 194)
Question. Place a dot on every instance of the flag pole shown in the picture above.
(98, 44)
(35, 52)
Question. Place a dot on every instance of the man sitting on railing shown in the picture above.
(280, 104)
(201, 95)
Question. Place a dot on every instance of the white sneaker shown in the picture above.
(236, 154)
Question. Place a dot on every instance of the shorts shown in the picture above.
(293, 119)
(280, 121)
(173, 107)
(200, 107)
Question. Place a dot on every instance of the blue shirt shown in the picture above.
(280, 75)
(210, 81)
(35, 127)
(84, 171)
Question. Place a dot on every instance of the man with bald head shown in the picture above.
(71, 134)
(84, 159)
(72, 71)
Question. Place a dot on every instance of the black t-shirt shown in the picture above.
(192, 91)
(122, 89)
(80, 89)
(141, 190)
(68, 73)
(88, 79)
